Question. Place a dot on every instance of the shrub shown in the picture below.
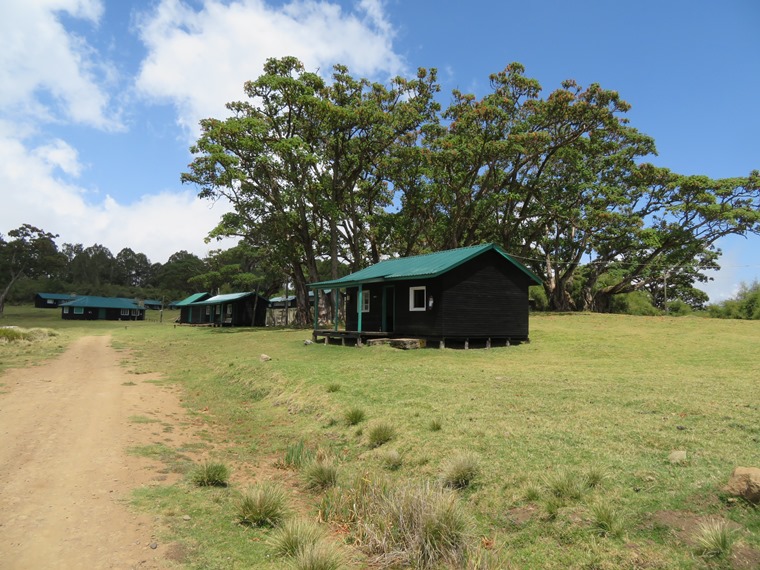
(460, 470)
(354, 416)
(297, 455)
(321, 474)
(262, 505)
(210, 475)
(715, 539)
(294, 536)
(380, 434)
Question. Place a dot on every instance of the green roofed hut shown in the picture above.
(190, 314)
(231, 309)
(472, 295)
(102, 308)
(52, 300)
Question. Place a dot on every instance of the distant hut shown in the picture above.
(232, 309)
(472, 294)
(102, 308)
(52, 300)
(189, 314)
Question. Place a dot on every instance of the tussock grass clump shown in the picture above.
(262, 505)
(354, 416)
(16, 334)
(210, 474)
(392, 460)
(321, 555)
(320, 474)
(715, 539)
(565, 484)
(294, 536)
(460, 470)
(532, 492)
(332, 387)
(380, 434)
(595, 477)
(435, 425)
(297, 455)
(403, 526)
(606, 520)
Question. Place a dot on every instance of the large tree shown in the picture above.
(299, 163)
(28, 252)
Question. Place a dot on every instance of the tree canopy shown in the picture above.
(349, 170)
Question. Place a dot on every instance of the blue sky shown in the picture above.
(100, 100)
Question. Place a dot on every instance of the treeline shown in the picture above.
(32, 262)
(350, 171)
(744, 305)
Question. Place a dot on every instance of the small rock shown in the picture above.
(680, 428)
(154, 545)
(265, 358)
(307, 342)
(186, 518)
(678, 456)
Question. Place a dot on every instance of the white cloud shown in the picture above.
(48, 74)
(37, 190)
(199, 59)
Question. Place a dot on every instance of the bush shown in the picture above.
(263, 505)
(354, 416)
(210, 475)
(380, 434)
(460, 470)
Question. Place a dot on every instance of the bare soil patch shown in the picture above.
(65, 473)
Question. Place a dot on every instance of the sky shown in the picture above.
(100, 99)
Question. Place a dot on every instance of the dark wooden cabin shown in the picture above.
(232, 309)
(477, 294)
(52, 300)
(189, 314)
(102, 308)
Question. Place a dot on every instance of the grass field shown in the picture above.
(566, 441)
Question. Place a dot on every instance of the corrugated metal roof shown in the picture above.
(102, 303)
(226, 298)
(420, 266)
(191, 299)
(56, 296)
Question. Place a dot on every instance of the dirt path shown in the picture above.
(65, 475)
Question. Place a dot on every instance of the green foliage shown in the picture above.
(566, 484)
(607, 519)
(210, 474)
(745, 305)
(263, 505)
(636, 303)
(380, 434)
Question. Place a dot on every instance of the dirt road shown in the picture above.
(65, 475)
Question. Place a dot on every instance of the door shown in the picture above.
(389, 308)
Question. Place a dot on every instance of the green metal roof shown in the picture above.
(57, 296)
(102, 303)
(218, 299)
(191, 299)
(420, 266)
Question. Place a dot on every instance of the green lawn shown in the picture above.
(594, 402)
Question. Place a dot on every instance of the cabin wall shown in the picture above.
(485, 297)
(96, 313)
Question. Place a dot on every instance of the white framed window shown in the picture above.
(218, 310)
(65, 310)
(135, 312)
(365, 301)
(79, 310)
(125, 312)
(417, 296)
(208, 310)
(228, 310)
